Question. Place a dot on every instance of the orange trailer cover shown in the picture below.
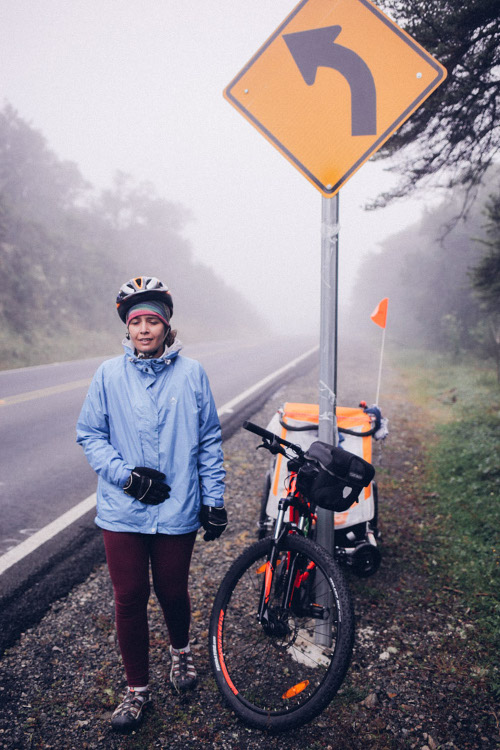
(297, 415)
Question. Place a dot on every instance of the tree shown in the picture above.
(432, 301)
(485, 276)
(33, 180)
(64, 251)
(453, 138)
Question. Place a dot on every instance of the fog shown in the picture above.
(136, 86)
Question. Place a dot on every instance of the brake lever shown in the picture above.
(265, 445)
(273, 447)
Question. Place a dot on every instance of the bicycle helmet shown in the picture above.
(140, 289)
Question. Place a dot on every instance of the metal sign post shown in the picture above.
(327, 429)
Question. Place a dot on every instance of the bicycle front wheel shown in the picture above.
(281, 674)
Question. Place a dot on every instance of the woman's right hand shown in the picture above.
(147, 485)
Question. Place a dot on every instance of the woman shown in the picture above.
(149, 428)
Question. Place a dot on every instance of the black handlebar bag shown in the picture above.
(334, 477)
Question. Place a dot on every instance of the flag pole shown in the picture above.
(379, 317)
(380, 368)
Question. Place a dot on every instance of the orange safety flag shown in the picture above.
(379, 315)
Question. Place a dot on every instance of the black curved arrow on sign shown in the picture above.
(316, 48)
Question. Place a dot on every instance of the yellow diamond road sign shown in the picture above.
(332, 84)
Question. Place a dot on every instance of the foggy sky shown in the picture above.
(136, 86)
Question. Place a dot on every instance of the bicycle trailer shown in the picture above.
(356, 529)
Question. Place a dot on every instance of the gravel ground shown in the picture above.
(413, 682)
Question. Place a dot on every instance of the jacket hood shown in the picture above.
(169, 353)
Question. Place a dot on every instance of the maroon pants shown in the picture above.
(128, 556)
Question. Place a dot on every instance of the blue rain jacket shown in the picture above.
(161, 414)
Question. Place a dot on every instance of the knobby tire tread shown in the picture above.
(335, 674)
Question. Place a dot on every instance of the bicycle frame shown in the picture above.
(294, 578)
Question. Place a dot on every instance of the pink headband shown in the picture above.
(140, 310)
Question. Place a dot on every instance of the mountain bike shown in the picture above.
(282, 625)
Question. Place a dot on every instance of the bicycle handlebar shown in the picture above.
(271, 437)
(260, 431)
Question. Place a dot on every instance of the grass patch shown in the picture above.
(464, 474)
(462, 484)
(445, 387)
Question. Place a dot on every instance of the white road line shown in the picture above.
(230, 406)
(25, 548)
(32, 543)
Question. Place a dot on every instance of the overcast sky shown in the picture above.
(136, 85)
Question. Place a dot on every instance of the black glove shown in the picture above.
(214, 521)
(147, 485)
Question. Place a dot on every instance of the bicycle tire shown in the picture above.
(257, 673)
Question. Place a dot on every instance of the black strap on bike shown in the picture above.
(297, 428)
(358, 434)
(310, 427)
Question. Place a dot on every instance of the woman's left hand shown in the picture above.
(214, 521)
